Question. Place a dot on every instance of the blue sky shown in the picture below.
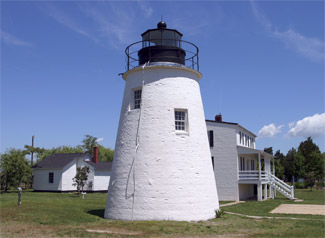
(262, 64)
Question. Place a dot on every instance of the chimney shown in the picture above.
(218, 118)
(95, 154)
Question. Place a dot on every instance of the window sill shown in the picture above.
(182, 133)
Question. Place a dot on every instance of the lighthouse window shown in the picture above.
(137, 98)
(180, 120)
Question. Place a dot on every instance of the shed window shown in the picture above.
(210, 136)
(51, 177)
(137, 98)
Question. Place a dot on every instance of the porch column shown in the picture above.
(265, 191)
(259, 166)
(259, 192)
(270, 192)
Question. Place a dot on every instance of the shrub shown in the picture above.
(300, 185)
(219, 213)
(320, 185)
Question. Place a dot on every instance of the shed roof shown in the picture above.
(58, 161)
(101, 165)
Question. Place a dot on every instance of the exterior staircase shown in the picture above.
(281, 186)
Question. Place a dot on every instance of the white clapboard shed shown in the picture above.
(55, 173)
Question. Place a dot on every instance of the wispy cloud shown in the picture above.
(65, 20)
(313, 126)
(311, 48)
(291, 124)
(145, 8)
(12, 40)
(269, 130)
(107, 24)
(116, 30)
(99, 139)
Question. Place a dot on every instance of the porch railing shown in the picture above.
(253, 175)
(269, 178)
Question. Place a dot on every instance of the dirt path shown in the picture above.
(280, 218)
(300, 209)
(230, 204)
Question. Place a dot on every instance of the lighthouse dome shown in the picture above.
(161, 24)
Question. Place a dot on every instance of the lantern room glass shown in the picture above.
(164, 37)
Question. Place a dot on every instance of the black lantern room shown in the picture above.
(161, 45)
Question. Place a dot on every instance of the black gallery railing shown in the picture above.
(191, 52)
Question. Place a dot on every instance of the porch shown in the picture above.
(256, 168)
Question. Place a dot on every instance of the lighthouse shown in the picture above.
(162, 167)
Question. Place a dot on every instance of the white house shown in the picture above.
(55, 173)
(235, 161)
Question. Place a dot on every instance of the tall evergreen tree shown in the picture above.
(288, 164)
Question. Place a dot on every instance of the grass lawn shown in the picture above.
(67, 215)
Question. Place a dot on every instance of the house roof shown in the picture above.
(223, 122)
(231, 123)
(244, 150)
(58, 161)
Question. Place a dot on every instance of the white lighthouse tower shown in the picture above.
(162, 166)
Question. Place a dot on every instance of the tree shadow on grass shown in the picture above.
(97, 212)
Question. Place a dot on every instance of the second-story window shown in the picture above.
(137, 98)
(210, 136)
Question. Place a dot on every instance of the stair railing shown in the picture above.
(276, 182)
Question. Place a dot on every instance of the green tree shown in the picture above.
(307, 147)
(81, 178)
(33, 150)
(288, 164)
(88, 144)
(105, 154)
(15, 169)
(61, 149)
(314, 160)
(298, 169)
(279, 169)
(269, 150)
